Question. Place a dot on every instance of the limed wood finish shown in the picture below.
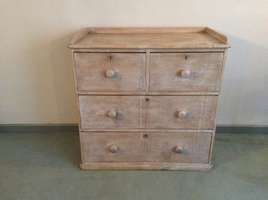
(182, 147)
(110, 112)
(145, 166)
(110, 71)
(148, 96)
(144, 38)
(125, 112)
(181, 112)
(184, 72)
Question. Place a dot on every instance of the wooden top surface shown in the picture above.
(148, 38)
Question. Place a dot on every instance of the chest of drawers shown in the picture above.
(147, 96)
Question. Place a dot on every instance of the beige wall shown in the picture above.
(36, 80)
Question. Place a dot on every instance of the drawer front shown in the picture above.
(181, 112)
(110, 112)
(187, 147)
(183, 72)
(110, 72)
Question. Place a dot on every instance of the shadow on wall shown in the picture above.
(61, 60)
(244, 97)
(53, 70)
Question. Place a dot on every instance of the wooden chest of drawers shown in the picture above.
(147, 96)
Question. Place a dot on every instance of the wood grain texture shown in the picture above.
(148, 96)
(161, 112)
(166, 72)
(91, 69)
(142, 38)
(145, 147)
(149, 93)
(135, 130)
(159, 50)
(94, 110)
(152, 112)
(145, 166)
(219, 36)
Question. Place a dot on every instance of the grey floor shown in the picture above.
(45, 166)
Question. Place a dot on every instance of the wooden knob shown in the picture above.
(112, 113)
(186, 73)
(113, 148)
(181, 114)
(110, 73)
(178, 149)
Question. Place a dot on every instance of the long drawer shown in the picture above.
(155, 112)
(185, 147)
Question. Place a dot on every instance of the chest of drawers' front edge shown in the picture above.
(147, 165)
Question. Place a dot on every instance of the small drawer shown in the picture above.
(110, 112)
(185, 147)
(181, 112)
(110, 72)
(185, 72)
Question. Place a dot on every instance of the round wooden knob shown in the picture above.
(178, 149)
(186, 73)
(181, 114)
(113, 148)
(110, 73)
(112, 113)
